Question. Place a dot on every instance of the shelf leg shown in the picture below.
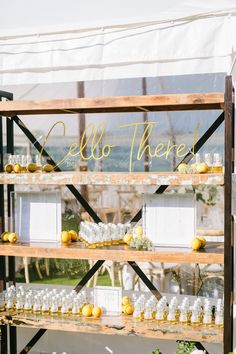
(88, 275)
(228, 219)
(3, 329)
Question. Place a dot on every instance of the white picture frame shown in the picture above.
(169, 220)
(36, 216)
(109, 298)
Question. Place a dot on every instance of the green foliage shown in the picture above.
(207, 194)
(185, 347)
(157, 351)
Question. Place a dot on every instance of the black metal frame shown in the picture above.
(228, 116)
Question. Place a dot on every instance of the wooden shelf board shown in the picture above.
(212, 254)
(112, 178)
(173, 102)
(119, 325)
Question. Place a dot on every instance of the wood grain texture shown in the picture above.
(212, 254)
(173, 102)
(112, 178)
(119, 325)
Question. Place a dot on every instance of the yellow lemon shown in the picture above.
(87, 310)
(138, 231)
(128, 238)
(73, 235)
(123, 308)
(202, 167)
(17, 168)
(203, 241)
(97, 312)
(65, 237)
(31, 167)
(4, 236)
(196, 244)
(12, 237)
(129, 310)
(48, 168)
(8, 168)
(182, 168)
(125, 300)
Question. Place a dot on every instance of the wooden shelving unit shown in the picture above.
(214, 252)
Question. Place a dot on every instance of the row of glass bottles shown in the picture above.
(44, 301)
(200, 312)
(213, 161)
(103, 234)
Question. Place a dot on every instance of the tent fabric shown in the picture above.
(196, 44)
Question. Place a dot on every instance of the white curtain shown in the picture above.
(199, 44)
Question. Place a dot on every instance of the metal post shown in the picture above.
(228, 218)
(3, 328)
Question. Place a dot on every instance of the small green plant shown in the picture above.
(156, 351)
(185, 347)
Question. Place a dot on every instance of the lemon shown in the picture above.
(138, 231)
(12, 237)
(202, 167)
(203, 241)
(31, 167)
(87, 310)
(47, 168)
(128, 238)
(4, 236)
(17, 168)
(73, 235)
(182, 168)
(8, 168)
(65, 237)
(97, 312)
(196, 244)
(129, 309)
(125, 300)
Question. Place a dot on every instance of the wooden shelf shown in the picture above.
(119, 325)
(180, 102)
(112, 178)
(212, 254)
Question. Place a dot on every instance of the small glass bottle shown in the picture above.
(45, 305)
(208, 161)
(217, 163)
(36, 305)
(183, 318)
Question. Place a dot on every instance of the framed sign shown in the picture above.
(170, 219)
(109, 298)
(36, 216)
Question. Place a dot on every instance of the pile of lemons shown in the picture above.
(68, 236)
(127, 307)
(89, 310)
(137, 233)
(193, 168)
(11, 237)
(198, 243)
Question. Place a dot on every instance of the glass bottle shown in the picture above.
(208, 161)
(217, 163)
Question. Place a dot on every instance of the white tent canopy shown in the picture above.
(62, 41)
